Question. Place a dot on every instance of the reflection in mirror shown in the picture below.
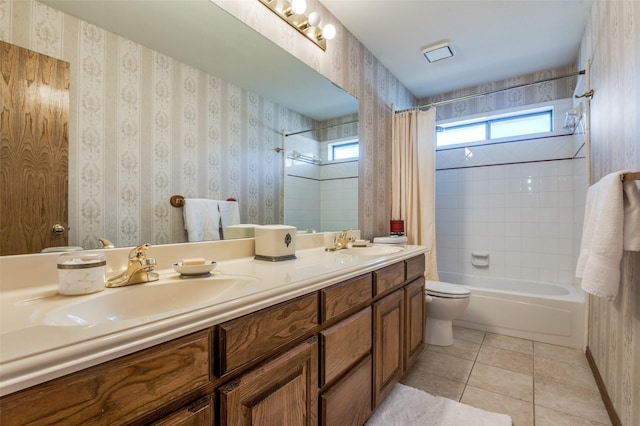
(162, 104)
(321, 187)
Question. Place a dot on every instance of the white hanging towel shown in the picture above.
(201, 219)
(229, 213)
(608, 228)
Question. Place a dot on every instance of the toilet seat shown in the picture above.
(446, 290)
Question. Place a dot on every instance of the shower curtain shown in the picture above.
(413, 180)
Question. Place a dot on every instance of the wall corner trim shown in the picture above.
(608, 404)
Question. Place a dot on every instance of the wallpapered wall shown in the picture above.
(612, 42)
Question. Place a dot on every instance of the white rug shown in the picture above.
(407, 406)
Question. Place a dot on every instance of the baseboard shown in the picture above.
(613, 416)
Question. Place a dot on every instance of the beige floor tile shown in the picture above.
(548, 417)
(461, 348)
(573, 400)
(435, 385)
(511, 360)
(443, 365)
(521, 412)
(563, 372)
(505, 382)
(468, 334)
(560, 353)
(508, 342)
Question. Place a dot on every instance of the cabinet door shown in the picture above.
(283, 391)
(415, 321)
(388, 342)
(348, 402)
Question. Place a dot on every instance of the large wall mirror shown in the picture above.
(180, 97)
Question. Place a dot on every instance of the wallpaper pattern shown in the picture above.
(612, 42)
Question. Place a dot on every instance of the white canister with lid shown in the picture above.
(81, 272)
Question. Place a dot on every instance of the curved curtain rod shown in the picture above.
(321, 128)
(477, 95)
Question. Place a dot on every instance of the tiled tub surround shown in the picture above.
(523, 215)
(31, 352)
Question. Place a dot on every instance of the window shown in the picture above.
(498, 127)
(344, 150)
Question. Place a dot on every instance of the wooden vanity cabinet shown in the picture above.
(328, 357)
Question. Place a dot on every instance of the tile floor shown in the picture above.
(535, 383)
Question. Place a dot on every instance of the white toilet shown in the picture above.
(445, 302)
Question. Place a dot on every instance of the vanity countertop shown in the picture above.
(44, 335)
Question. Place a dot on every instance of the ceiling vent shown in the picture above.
(438, 51)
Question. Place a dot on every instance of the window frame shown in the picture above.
(487, 123)
(331, 148)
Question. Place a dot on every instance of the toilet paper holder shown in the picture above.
(480, 259)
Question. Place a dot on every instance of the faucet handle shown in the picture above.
(138, 253)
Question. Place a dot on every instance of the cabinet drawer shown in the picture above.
(344, 344)
(341, 297)
(247, 338)
(387, 278)
(349, 401)
(415, 267)
(118, 391)
(199, 413)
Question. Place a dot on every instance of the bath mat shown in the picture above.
(407, 406)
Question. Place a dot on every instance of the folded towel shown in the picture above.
(603, 234)
(631, 216)
(201, 219)
(229, 213)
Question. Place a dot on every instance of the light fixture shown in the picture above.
(292, 11)
(438, 51)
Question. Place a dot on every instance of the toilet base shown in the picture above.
(439, 332)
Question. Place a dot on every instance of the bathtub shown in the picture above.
(540, 311)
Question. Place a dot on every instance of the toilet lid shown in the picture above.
(393, 239)
(442, 289)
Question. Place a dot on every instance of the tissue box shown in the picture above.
(239, 231)
(275, 242)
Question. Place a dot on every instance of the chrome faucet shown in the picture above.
(140, 269)
(343, 240)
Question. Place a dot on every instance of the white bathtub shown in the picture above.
(540, 311)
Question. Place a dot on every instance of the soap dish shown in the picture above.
(361, 243)
(195, 270)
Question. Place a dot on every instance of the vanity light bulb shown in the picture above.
(314, 19)
(298, 6)
(329, 31)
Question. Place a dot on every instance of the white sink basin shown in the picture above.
(147, 302)
(373, 250)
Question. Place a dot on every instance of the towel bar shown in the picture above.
(630, 176)
(178, 200)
